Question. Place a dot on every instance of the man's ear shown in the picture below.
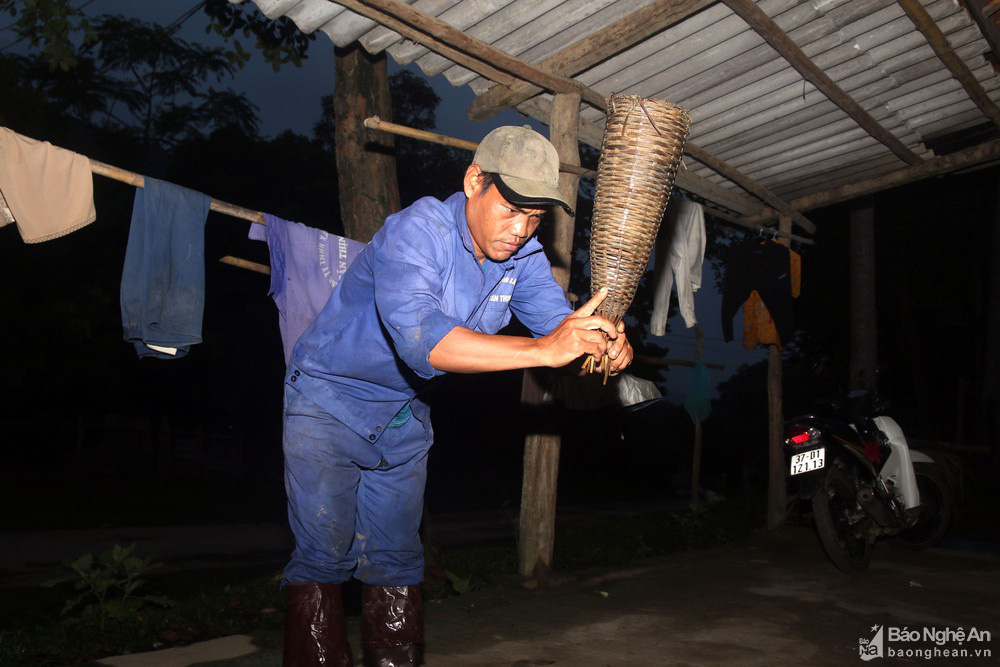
(471, 181)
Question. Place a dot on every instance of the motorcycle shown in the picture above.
(864, 483)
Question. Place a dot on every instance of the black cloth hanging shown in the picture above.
(762, 265)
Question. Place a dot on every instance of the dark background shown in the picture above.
(90, 434)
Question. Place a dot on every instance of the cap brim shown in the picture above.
(530, 194)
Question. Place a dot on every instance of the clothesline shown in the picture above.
(769, 232)
(376, 123)
(246, 264)
(139, 181)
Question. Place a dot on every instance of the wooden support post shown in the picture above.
(776, 501)
(864, 356)
(990, 401)
(696, 455)
(536, 535)
(537, 526)
(563, 134)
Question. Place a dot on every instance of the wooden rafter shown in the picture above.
(926, 25)
(986, 14)
(588, 51)
(790, 51)
(969, 157)
(749, 185)
(488, 61)
(469, 52)
(592, 134)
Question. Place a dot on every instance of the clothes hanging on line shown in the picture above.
(762, 265)
(163, 281)
(679, 254)
(48, 191)
(758, 325)
(306, 264)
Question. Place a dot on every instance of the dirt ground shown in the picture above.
(773, 599)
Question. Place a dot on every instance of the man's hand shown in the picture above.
(620, 352)
(582, 333)
(463, 350)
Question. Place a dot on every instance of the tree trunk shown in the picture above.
(864, 336)
(536, 534)
(366, 166)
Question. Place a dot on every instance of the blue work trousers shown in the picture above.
(354, 506)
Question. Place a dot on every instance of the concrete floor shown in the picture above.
(773, 599)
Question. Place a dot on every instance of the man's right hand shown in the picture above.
(580, 333)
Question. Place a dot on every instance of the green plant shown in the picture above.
(458, 584)
(107, 584)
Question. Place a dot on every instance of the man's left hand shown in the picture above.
(620, 352)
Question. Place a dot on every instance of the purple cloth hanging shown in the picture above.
(306, 264)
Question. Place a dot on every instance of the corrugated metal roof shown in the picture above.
(749, 106)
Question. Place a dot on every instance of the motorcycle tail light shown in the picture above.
(802, 436)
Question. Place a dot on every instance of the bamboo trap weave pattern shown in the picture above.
(642, 149)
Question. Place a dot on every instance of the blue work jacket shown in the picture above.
(365, 356)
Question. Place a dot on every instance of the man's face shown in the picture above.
(498, 228)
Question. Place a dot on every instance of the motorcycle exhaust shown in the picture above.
(871, 504)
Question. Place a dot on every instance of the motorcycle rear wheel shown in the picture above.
(844, 536)
(936, 507)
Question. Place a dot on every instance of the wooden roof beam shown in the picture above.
(734, 200)
(458, 47)
(986, 14)
(501, 67)
(790, 51)
(963, 159)
(750, 186)
(588, 51)
(926, 25)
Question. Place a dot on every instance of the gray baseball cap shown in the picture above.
(527, 166)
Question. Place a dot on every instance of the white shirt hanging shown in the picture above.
(680, 252)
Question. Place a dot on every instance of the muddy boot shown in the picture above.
(392, 626)
(315, 633)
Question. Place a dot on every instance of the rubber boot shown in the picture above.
(392, 626)
(315, 632)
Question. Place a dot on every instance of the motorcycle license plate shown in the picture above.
(808, 461)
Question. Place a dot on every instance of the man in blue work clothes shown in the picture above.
(425, 297)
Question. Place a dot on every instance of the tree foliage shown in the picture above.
(279, 41)
(50, 24)
(141, 79)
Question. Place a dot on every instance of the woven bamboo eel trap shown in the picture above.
(641, 151)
